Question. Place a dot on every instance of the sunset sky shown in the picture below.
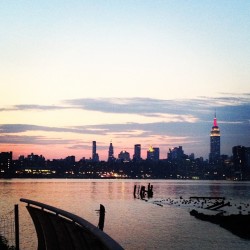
(134, 72)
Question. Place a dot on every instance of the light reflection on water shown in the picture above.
(134, 223)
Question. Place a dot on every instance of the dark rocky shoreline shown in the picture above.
(238, 224)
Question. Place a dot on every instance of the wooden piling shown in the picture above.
(17, 227)
(134, 191)
(150, 191)
(101, 217)
(142, 192)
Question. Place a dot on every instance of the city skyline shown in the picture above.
(148, 73)
(152, 153)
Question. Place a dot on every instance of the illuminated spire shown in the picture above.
(214, 155)
(215, 120)
(151, 149)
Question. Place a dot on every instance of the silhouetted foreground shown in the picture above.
(238, 224)
(4, 244)
(60, 230)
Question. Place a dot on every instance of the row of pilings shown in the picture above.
(142, 192)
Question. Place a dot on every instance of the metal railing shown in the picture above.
(59, 229)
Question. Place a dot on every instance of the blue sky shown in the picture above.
(149, 72)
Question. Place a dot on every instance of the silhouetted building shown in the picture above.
(111, 152)
(153, 154)
(5, 161)
(34, 161)
(70, 159)
(95, 156)
(248, 157)
(124, 156)
(156, 154)
(137, 152)
(175, 153)
(191, 156)
(214, 155)
(241, 157)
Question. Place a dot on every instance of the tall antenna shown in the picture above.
(215, 119)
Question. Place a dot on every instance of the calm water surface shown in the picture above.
(134, 223)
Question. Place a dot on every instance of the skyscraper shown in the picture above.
(156, 154)
(93, 149)
(214, 155)
(176, 153)
(239, 157)
(95, 156)
(124, 156)
(137, 152)
(111, 152)
(153, 154)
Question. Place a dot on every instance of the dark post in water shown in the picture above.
(17, 227)
(134, 191)
(101, 217)
(150, 191)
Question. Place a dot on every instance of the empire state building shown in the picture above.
(214, 155)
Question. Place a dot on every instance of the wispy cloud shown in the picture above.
(32, 107)
(140, 106)
(120, 130)
(33, 140)
(20, 128)
(182, 110)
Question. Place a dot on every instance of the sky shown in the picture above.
(131, 72)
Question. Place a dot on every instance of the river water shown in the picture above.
(132, 222)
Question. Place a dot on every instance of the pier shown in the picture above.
(60, 230)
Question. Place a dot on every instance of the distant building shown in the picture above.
(214, 155)
(35, 161)
(156, 154)
(70, 159)
(191, 156)
(175, 153)
(153, 154)
(111, 152)
(95, 156)
(137, 152)
(124, 156)
(248, 157)
(5, 161)
(241, 157)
